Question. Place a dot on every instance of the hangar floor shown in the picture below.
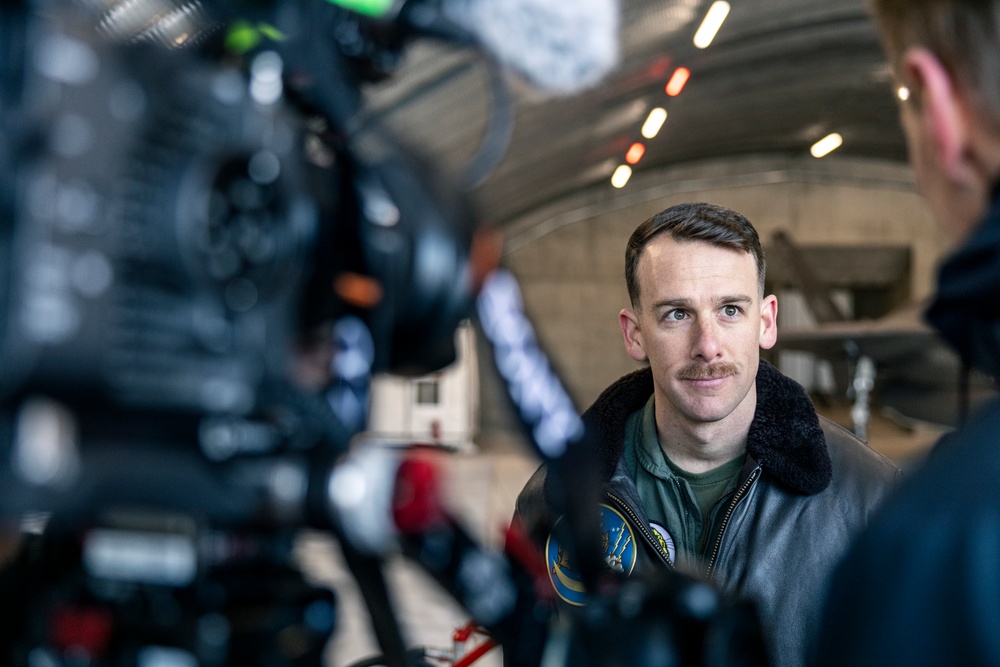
(481, 487)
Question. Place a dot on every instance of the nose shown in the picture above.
(705, 340)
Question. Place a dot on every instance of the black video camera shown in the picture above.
(183, 210)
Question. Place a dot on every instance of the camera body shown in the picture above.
(179, 219)
(157, 229)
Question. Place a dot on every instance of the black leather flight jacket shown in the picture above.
(807, 487)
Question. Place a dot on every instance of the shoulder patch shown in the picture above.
(666, 541)
(618, 548)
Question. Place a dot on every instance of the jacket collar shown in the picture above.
(965, 308)
(785, 436)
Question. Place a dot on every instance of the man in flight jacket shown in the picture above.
(714, 462)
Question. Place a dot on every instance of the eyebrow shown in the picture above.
(686, 303)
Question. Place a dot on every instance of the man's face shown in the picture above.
(700, 323)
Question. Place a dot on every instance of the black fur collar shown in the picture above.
(785, 436)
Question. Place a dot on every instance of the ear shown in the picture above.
(939, 108)
(768, 322)
(629, 323)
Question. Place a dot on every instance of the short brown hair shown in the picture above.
(694, 222)
(963, 34)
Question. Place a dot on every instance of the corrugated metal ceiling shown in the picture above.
(779, 75)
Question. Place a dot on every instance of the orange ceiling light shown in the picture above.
(635, 153)
(677, 80)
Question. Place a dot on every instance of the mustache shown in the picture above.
(698, 371)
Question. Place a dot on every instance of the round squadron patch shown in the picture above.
(666, 541)
(618, 545)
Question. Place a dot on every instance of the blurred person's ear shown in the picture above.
(940, 109)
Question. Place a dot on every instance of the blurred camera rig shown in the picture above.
(183, 208)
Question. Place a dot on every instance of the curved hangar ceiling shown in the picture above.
(778, 76)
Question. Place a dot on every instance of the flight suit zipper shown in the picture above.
(737, 497)
(643, 530)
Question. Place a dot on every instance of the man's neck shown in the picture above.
(700, 447)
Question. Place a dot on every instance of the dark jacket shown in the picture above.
(922, 584)
(807, 487)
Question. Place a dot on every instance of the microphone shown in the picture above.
(563, 46)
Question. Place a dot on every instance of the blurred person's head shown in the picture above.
(946, 54)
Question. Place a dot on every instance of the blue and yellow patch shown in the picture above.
(618, 548)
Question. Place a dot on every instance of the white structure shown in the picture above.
(439, 409)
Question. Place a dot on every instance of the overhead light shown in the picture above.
(717, 13)
(826, 145)
(621, 176)
(635, 153)
(677, 80)
(654, 121)
(903, 93)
